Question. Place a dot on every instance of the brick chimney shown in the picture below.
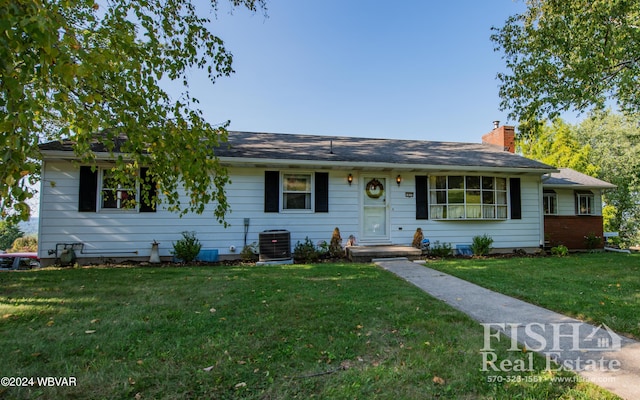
(501, 136)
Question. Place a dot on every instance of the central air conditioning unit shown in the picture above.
(275, 246)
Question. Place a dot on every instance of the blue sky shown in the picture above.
(407, 70)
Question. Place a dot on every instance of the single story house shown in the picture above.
(378, 190)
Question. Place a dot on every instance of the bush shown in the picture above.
(441, 250)
(560, 251)
(187, 248)
(249, 252)
(592, 241)
(24, 244)
(481, 245)
(306, 252)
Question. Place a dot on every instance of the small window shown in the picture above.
(584, 203)
(116, 194)
(296, 191)
(550, 202)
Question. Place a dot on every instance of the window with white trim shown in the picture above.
(584, 202)
(296, 191)
(457, 197)
(98, 190)
(117, 194)
(550, 202)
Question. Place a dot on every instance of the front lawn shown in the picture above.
(597, 288)
(334, 331)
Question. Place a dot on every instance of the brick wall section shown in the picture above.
(571, 230)
(503, 137)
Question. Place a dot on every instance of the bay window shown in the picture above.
(467, 197)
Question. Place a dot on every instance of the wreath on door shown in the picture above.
(374, 189)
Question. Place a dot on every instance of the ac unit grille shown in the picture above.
(274, 245)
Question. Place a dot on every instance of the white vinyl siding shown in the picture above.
(130, 235)
(567, 202)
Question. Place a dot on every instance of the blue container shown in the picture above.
(464, 250)
(208, 255)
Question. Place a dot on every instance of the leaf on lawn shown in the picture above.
(90, 331)
(50, 323)
(212, 310)
(131, 381)
(208, 368)
(240, 385)
(95, 321)
(438, 381)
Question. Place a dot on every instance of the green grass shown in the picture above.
(329, 331)
(597, 288)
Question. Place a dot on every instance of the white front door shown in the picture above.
(375, 225)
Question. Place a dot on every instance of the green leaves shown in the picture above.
(570, 55)
(74, 69)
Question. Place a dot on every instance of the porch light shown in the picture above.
(350, 179)
(398, 179)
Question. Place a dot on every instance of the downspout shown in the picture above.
(541, 209)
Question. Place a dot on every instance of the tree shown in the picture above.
(615, 143)
(75, 68)
(570, 55)
(557, 145)
(9, 232)
(605, 146)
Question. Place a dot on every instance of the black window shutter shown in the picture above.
(322, 192)
(88, 189)
(422, 200)
(271, 191)
(147, 205)
(515, 198)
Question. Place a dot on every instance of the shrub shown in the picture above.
(560, 251)
(441, 250)
(614, 242)
(187, 248)
(306, 251)
(592, 241)
(481, 245)
(24, 244)
(249, 252)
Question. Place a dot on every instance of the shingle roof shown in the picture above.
(367, 150)
(568, 177)
(352, 150)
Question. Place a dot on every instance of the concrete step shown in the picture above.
(368, 253)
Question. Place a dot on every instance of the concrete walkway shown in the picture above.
(595, 353)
